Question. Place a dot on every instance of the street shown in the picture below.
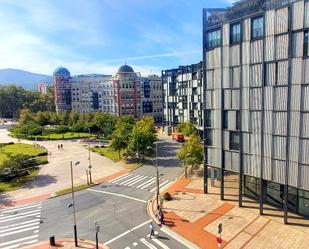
(118, 206)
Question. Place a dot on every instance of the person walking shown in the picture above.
(151, 228)
(161, 216)
(58, 146)
(61, 146)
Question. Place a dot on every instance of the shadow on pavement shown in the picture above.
(5, 201)
(40, 181)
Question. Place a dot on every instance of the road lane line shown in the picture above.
(18, 240)
(126, 232)
(115, 194)
(159, 243)
(151, 179)
(21, 223)
(136, 180)
(18, 227)
(19, 214)
(129, 180)
(146, 243)
(160, 185)
(148, 184)
(19, 231)
(120, 177)
(16, 209)
(21, 244)
(21, 217)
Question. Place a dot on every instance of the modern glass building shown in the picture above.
(256, 65)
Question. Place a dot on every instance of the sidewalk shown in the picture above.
(195, 217)
(67, 243)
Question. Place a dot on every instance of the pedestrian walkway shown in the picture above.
(148, 183)
(195, 216)
(20, 226)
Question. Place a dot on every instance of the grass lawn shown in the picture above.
(25, 149)
(106, 151)
(67, 135)
(69, 190)
(14, 185)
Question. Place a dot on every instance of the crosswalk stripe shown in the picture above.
(159, 243)
(121, 178)
(21, 208)
(118, 177)
(129, 180)
(21, 244)
(18, 227)
(18, 240)
(19, 231)
(19, 214)
(21, 223)
(134, 244)
(136, 180)
(166, 186)
(148, 244)
(21, 217)
(127, 247)
(160, 185)
(149, 184)
(145, 182)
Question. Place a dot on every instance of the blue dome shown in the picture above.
(61, 71)
(125, 69)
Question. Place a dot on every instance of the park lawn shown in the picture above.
(25, 149)
(3, 157)
(17, 184)
(76, 188)
(67, 135)
(111, 154)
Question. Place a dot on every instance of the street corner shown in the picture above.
(10, 203)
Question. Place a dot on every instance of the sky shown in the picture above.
(98, 36)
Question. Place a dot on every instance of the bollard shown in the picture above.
(52, 241)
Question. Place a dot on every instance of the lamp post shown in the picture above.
(97, 230)
(73, 202)
(157, 171)
(89, 158)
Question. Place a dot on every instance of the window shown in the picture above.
(225, 120)
(237, 120)
(235, 33)
(214, 39)
(208, 137)
(208, 118)
(306, 43)
(257, 28)
(234, 140)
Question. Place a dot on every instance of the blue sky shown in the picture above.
(97, 36)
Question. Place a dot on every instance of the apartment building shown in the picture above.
(183, 96)
(256, 65)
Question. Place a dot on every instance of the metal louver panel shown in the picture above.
(297, 15)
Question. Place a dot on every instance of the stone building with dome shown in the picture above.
(126, 93)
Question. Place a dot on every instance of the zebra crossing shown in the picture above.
(19, 226)
(148, 183)
(152, 243)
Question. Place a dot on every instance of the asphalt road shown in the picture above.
(119, 207)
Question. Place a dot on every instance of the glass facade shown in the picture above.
(306, 43)
(257, 27)
(235, 33)
(214, 38)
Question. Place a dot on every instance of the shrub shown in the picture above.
(167, 196)
(43, 153)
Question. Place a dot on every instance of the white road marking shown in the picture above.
(115, 194)
(145, 182)
(127, 247)
(166, 186)
(18, 240)
(159, 243)
(21, 244)
(132, 180)
(18, 227)
(136, 180)
(128, 180)
(126, 232)
(17, 224)
(148, 184)
(146, 243)
(19, 231)
(135, 244)
(121, 178)
(175, 237)
(20, 217)
(19, 214)
(160, 185)
(16, 209)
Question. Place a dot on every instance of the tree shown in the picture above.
(143, 134)
(186, 129)
(191, 152)
(25, 116)
(105, 122)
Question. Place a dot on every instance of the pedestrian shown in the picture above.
(61, 146)
(58, 146)
(161, 216)
(151, 229)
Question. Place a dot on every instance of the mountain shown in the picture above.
(23, 78)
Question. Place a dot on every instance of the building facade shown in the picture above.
(62, 89)
(183, 96)
(42, 88)
(256, 67)
(151, 97)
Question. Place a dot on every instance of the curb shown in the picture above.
(166, 229)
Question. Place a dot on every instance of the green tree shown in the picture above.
(42, 118)
(186, 129)
(191, 152)
(25, 116)
(143, 134)
(105, 122)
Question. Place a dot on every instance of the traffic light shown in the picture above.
(220, 228)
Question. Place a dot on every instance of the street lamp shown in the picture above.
(158, 190)
(73, 202)
(89, 159)
(97, 230)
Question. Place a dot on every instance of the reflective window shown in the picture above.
(257, 27)
(306, 43)
(214, 39)
(235, 33)
(234, 141)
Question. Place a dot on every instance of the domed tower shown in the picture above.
(127, 92)
(62, 89)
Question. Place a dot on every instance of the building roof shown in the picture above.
(61, 71)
